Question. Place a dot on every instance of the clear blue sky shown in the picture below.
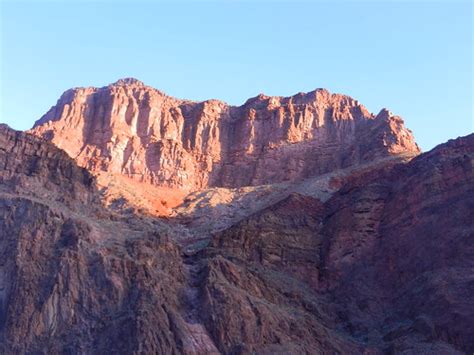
(413, 58)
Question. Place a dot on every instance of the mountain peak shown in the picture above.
(128, 81)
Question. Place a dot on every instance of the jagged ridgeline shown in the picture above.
(132, 129)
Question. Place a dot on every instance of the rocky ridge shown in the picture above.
(130, 129)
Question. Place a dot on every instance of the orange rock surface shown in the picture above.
(130, 129)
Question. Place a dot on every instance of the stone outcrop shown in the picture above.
(28, 165)
(134, 130)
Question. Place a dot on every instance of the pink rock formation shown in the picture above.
(131, 129)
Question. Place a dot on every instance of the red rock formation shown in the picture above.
(28, 165)
(132, 129)
(388, 257)
(384, 265)
(76, 278)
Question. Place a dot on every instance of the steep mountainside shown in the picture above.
(390, 256)
(75, 278)
(131, 129)
(375, 260)
(294, 225)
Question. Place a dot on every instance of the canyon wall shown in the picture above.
(383, 265)
(134, 130)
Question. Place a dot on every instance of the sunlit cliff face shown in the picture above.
(131, 129)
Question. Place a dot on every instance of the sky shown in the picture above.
(414, 58)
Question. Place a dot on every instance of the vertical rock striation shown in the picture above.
(131, 129)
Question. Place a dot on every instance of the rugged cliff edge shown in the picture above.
(130, 129)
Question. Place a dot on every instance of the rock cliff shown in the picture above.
(131, 129)
(300, 224)
(374, 260)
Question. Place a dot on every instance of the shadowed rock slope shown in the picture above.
(75, 278)
(389, 257)
(383, 265)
